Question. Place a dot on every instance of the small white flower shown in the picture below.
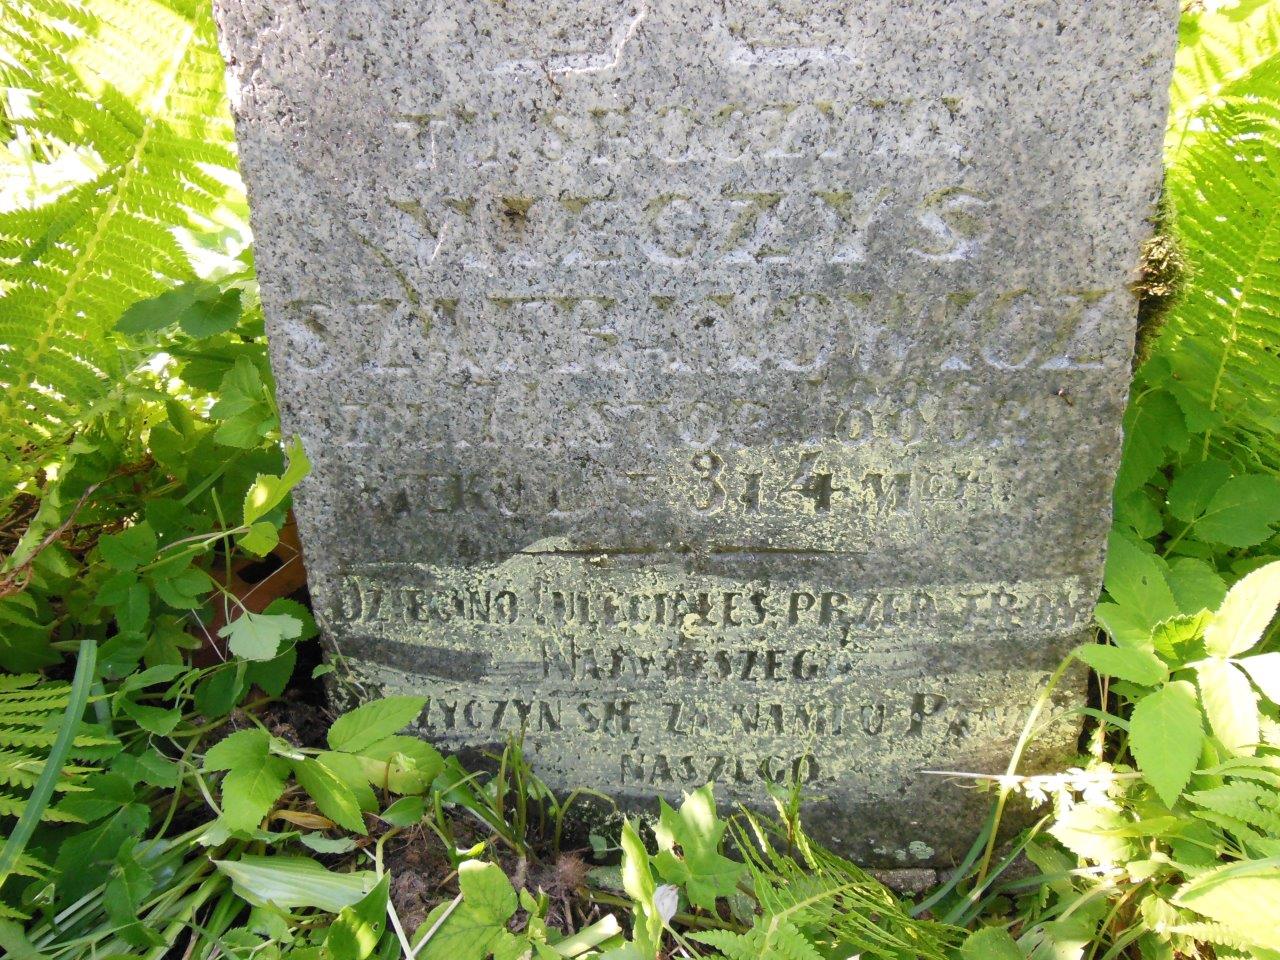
(666, 898)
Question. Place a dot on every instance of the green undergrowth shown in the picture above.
(172, 785)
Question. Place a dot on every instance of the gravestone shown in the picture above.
(710, 390)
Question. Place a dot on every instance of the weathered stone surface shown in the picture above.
(714, 390)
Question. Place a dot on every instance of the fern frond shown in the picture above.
(1221, 57)
(135, 89)
(1219, 337)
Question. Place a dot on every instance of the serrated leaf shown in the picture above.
(267, 491)
(216, 312)
(260, 539)
(1137, 666)
(1196, 586)
(1194, 486)
(1230, 705)
(250, 790)
(1239, 623)
(1165, 734)
(257, 636)
(1242, 512)
(990, 944)
(1098, 834)
(330, 793)
(130, 548)
(1135, 579)
(364, 726)
(699, 866)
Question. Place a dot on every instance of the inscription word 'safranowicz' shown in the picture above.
(708, 389)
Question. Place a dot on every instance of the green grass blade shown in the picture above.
(43, 790)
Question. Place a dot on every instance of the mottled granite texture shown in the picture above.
(713, 390)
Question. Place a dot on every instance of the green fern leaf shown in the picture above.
(132, 90)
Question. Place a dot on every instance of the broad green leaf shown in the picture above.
(364, 726)
(184, 590)
(358, 928)
(1196, 586)
(1230, 705)
(1240, 896)
(1125, 627)
(696, 832)
(250, 790)
(1137, 666)
(289, 882)
(158, 312)
(1098, 834)
(1165, 733)
(487, 891)
(1135, 579)
(331, 794)
(352, 771)
(322, 844)
(1152, 424)
(405, 812)
(401, 764)
(1264, 670)
(1240, 621)
(130, 548)
(244, 747)
(260, 539)
(257, 636)
(267, 491)
(129, 885)
(1194, 487)
(216, 312)
(157, 720)
(1242, 512)
(990, 944)
(637, 881)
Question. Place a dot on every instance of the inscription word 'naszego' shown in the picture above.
(708, 390)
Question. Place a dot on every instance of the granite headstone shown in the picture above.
(711, 390)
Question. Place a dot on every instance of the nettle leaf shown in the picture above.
(267, 492)
(1230, 705)
(991, 944)
(1136, 666)
(1194, 487)
(130, 548)
(156, 313)
(330, 793)
(1196, 586)
(255, 779)
(364, 726)
(1165, 734)
(477, 927)
(257, 636)
(217, 311)
(699, 866)
(1240, 621)
(1242, 897)
(1264, 670)
(1135, 579)
(1153, 424)
(1242, 512)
